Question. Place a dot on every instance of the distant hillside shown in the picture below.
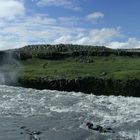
(63, 48)
(61, 51)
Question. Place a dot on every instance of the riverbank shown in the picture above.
(112, 75)
(87, 85)
(89, 69)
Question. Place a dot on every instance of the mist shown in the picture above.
(9, 68)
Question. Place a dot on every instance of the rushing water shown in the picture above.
(63, 115)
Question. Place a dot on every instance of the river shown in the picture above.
(29, 114)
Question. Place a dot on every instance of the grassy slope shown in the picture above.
(116, 67)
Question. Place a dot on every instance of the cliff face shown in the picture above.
(87, 85)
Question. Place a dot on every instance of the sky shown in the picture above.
(111, 23)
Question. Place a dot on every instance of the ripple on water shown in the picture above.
(73, 110)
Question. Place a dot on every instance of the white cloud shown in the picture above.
(130, 43)
(104, 35)
(94, 17)
(19, 29)
(41, 28)
(91, 37)
(69, 21)
(64, 39)
(68, 4)
(9, 42)
(10, 9)
(34, 29)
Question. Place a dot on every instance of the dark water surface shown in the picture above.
(28, 114)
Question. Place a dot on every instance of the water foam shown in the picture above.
(116, 112)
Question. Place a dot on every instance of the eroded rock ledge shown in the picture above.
(87, 85)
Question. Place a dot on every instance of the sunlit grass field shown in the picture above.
(115, 67)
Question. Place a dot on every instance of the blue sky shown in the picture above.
(112, 23)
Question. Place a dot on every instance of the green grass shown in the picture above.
(115, 67)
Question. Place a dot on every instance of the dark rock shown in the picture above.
(27, 130)
(22, 127)
(45, 65)
(33, 134)
(99, 128)
(103, 74)
(88, 84)
(90, 125)
(36, 132)
(108, 128)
